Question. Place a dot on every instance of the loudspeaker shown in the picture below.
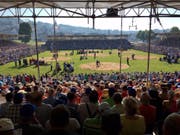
(112, 12)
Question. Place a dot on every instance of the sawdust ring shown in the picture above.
(104, 66)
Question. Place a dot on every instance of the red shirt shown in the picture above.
(149, 113)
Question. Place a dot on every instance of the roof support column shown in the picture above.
(36, 41)
(149, 41)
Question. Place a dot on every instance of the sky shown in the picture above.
(115, 23)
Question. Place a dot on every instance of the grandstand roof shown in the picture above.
(96, 37)
(89, 3)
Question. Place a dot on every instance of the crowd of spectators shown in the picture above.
(171, 54)
(87, 44)
(11, 51)
(91, 104)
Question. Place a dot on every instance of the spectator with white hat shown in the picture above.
(6, 126)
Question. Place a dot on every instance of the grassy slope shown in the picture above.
(136, 65)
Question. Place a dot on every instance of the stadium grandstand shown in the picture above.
(75, 42)
(116, 103)
(11, 51)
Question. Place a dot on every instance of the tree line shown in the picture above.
(144, 35)
(25, 32)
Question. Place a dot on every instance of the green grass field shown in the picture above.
(137, 65)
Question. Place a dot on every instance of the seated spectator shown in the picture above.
(6, 126)
(169, 106)
(111, 124)
(13, 111)
(92, 126)
(111, 91)
(171, 124)
(29, 123)
(85, 95)
(42, 110)
(89, 109)
(124, 91)
(4, 106)
(72, 106)
(149, 113)
(178, 106)
(59, 120)
(118, 107)
(50, 98)
(132, 123)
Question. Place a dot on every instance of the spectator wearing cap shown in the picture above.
(92, 126)
(50, 97)
(4, 106)
(6, 126)
(171, 124)
(28, 121)
(88, 109)
(117, 107)
(132, 123)
(13, 111)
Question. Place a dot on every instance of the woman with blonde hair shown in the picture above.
(132, 123)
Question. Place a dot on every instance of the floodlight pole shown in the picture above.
(93, 15)
(120, 53)
(36, 41)
(56, 53)
(149, 43)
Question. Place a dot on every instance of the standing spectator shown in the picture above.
(4, 106)
(127, 59)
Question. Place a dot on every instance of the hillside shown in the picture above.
(11, 26)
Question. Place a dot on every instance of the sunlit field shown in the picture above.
(109, 63)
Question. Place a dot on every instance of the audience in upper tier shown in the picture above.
(91, 104)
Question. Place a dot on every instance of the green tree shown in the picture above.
(144, 35)
(174, 29)
(25, 32)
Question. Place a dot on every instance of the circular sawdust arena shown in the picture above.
(97, 55)
(104, 66)
(51, 59)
